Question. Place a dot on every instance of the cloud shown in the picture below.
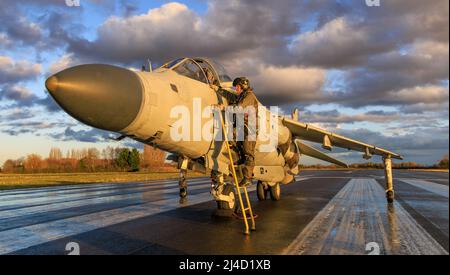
(174, 30)
(64, 62)
(334, 116)
(23, 126)
(396, 78)
(296, 53)
(19, 94)
(17, 114)
(5, 41)
(419, 139)
(337, 44)
(92, 135)
(417, 95)
(161, 34)
(15, 26)
(49, 104)
(278, 85)
(424, 145)
(12, 71)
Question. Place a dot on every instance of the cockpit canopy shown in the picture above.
(201, 69)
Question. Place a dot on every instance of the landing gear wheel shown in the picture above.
(183, 187)
(261, 192)
(390, 196)
(183, 192)
(228, 190)
(275, 192)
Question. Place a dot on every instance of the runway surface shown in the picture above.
(323, 212)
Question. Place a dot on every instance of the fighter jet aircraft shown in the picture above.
(146, 105)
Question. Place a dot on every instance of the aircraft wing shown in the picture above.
(312, 133)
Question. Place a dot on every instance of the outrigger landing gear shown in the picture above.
(388, 177)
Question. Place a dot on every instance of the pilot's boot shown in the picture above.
(245, 182)
(247, 171)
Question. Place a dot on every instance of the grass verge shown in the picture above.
(14, 181)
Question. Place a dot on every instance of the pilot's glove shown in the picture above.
(214, 87)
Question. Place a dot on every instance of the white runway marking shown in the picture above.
(358, 215)
(299, 178)
(24, 237)
(429, 186)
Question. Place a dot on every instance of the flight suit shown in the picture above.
(245, 99)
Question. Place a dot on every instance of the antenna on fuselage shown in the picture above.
(150, 69)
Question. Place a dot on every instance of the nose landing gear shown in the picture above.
(263, 188)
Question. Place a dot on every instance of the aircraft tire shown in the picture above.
(228, 190)
(390, 196)
(183, 193)
(275, 192)
(261, 193)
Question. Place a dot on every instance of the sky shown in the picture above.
(379, 74)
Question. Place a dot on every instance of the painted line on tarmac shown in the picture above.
(24, 237)
(357, 216)
(436, 188)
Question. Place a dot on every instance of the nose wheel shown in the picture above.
(261, 191)
(263, 188)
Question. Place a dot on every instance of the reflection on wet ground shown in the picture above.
(324, 212)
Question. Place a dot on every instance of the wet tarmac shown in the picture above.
(323, 212)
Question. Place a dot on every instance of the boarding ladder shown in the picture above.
(238, 188)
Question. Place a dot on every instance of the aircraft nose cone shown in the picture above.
(102, 96)
(51, 84)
